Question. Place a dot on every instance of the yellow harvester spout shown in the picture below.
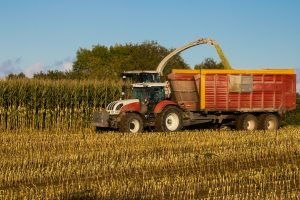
(163, 63)
(223, 58)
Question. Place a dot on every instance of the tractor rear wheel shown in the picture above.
(169, 120)
(131, 123)
(246, 122)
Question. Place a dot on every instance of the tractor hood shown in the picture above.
(115, 107)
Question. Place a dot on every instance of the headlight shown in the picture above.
(119, 106)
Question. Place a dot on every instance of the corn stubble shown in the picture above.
(202, 164)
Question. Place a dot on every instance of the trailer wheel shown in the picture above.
(246, 122)
(131, 123)
(268, 122)
(169, 120)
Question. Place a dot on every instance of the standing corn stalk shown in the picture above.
(45, 104)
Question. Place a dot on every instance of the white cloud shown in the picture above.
(67, 65)
(64, 65)
(14, 66)
(35, 68)
(10, 66)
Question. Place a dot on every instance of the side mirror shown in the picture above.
(146, 101)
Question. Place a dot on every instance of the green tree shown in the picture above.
(52, 75)
(209, 63)
(293, 117)
(92, 63)
(103, 62)
(16, 76)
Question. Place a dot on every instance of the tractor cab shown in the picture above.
(149, 95)
(137, 76)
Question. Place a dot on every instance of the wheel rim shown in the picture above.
(271, 125)
(250, 125)
(134, 126)
(172, 121)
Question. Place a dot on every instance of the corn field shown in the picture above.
(45, 104)
(202, 164)
(49, 151)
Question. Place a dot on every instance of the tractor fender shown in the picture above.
(131, 107)
(161, 105)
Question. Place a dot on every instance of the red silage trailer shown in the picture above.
(251, 99)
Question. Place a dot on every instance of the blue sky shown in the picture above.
(39, 35)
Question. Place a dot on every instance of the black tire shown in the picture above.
(169, 120)
(103, 129)
(100, 129)
(268, 122)
(246, 122)
(131, 123)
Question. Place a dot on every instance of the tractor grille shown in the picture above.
(111, 105)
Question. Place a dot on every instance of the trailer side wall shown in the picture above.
(243, 90)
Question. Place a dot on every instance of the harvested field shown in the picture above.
(182, 165)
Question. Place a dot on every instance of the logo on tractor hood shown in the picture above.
(114, 107)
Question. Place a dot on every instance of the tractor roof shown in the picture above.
(148, 85)
(140, 72)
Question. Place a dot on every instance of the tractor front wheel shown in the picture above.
(131, 123)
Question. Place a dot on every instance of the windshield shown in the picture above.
(151, 78)
(142, 77)
(153, 94)
(139, 93)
